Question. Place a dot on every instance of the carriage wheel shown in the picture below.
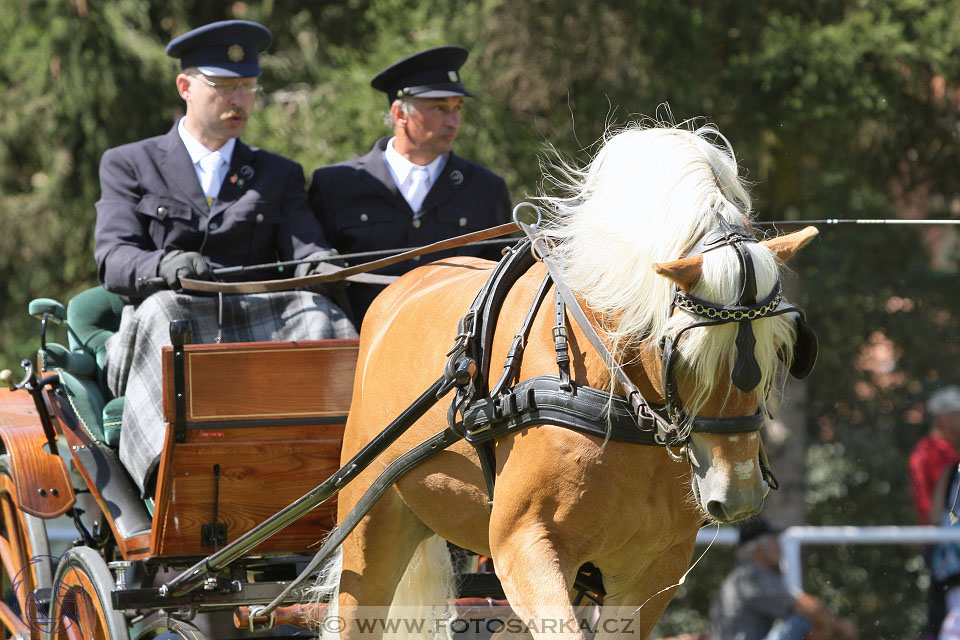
(81, 607)
(25, 556)
(180, 629)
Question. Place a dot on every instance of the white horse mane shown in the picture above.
(647, 196)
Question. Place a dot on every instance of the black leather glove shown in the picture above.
(323, 269)
(318, 268)
(182, 264)
(335, 290)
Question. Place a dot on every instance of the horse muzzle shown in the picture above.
(727, 490)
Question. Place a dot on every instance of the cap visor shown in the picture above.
(441, 93)
(238, 71)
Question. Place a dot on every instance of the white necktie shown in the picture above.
(417, 188)
(210, 175)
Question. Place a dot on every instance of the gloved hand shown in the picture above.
(318, 268)
(336, 290)
(323, 269)
(182, 264)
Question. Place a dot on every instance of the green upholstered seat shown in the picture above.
(112, 414)
(92, 317)
(87, 402)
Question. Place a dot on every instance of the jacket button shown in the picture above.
(162, 212)
(364, 217)
(416, 224)
(462, 222)
(259, 217)
(214, 226)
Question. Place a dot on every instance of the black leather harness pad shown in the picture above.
(540, 400)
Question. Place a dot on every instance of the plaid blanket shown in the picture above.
(134, 365)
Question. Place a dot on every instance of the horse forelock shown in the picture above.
(703, 352)
(647, 196)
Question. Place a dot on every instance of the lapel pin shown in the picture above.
(456, 177)
(233, 179)
(246, 172)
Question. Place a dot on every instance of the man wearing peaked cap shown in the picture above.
(434, 73)
(411, 189)
(754, 603)
(184, 203)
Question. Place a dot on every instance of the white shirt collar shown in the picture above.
(196, 149)
(400, 167)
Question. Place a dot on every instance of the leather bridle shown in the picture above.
(746, 373)
(671, 418)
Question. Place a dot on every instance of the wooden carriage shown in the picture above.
(251, 428)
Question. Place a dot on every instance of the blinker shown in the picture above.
(804, 350)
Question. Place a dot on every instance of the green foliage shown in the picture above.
(836, 109)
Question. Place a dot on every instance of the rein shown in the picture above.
(346, 273)
(485, 416)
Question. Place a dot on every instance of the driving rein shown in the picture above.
(485, 414)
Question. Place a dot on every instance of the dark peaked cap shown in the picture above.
(227, 49)
(753, 529)
(433, 73)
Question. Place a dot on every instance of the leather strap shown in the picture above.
(394, 471)
(265, 286)
(642, 408)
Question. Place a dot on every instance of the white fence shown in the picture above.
(793, 538)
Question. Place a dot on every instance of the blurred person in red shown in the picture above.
(934, 454)
(937, 450)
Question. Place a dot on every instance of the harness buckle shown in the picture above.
(465, 331)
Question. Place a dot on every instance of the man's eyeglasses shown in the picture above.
(225, 89)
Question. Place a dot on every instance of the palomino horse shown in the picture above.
(564, 498)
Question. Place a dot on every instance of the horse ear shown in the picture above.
(685, 271)
(785, 246)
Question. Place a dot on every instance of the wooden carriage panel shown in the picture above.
(256, 477)
(263, 426)
(40, 477)
(248, 381)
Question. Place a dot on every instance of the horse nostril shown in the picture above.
(716, 510)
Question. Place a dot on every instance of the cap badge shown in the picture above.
(235, 53)
(453, 76)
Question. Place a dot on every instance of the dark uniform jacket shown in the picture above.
(151, 202)
(361, 209)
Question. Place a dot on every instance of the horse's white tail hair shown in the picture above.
(424, 595)
(326, 588)
(425, 592)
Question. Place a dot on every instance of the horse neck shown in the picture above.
(641, 366)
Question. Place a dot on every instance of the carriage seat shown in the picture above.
(92, 316)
